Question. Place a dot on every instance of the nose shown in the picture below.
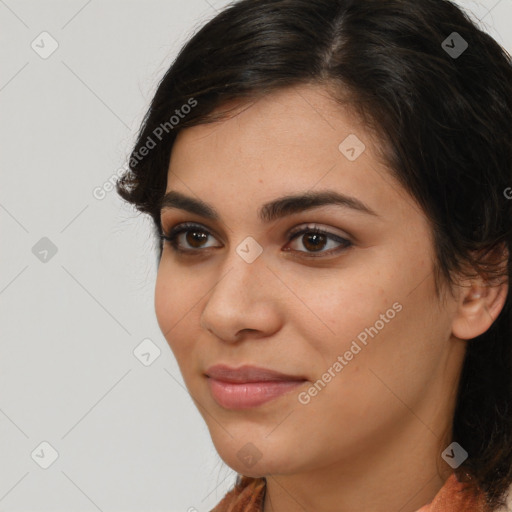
(245, 299)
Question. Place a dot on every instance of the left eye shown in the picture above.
(313, 239)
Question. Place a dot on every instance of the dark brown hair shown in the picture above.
(445, 121)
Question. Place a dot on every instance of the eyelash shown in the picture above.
(173, 234)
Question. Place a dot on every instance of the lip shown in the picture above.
(248, 386)
(248, 373)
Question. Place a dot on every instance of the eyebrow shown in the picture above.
(278, 208)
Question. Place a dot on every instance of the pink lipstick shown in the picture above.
(248, 386)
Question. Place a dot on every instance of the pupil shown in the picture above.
(318, 241)
(194, 238)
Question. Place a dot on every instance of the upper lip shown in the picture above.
(248, 373)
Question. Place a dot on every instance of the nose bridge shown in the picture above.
(242, 297)
(243, 275)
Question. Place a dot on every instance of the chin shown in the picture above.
(252, 455)
(259, 469)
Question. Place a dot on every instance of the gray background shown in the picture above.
(127, 434)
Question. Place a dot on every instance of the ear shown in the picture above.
(479, 303)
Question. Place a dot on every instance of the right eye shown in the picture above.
(187, 233)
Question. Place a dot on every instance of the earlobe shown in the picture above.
(479, 306)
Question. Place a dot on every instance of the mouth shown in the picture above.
(247, 373)
(248, 386)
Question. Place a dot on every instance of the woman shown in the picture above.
(328, 180)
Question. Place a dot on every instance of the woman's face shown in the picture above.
(352, 313)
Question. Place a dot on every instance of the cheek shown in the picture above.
(176, 309)
(333, 308)
(174, 301)
(165, 302)
(389, 340)
(373, 321)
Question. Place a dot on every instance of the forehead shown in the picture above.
(291, 140)
(300, 116)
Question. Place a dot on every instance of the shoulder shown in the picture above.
(246, 496)
(457, 496)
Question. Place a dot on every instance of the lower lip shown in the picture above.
(248, 394)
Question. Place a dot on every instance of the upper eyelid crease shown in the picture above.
(270, 211)
(189, 226)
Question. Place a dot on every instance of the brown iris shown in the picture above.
(314, 241)
(196, 238)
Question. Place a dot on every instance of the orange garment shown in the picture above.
(248, 496)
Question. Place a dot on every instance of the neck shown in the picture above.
(400, 470)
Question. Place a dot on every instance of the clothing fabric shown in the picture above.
(248, 496)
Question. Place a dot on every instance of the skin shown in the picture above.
(372, 437)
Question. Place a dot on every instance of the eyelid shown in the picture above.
(182, 227)
(344, 240)
(316, 227)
